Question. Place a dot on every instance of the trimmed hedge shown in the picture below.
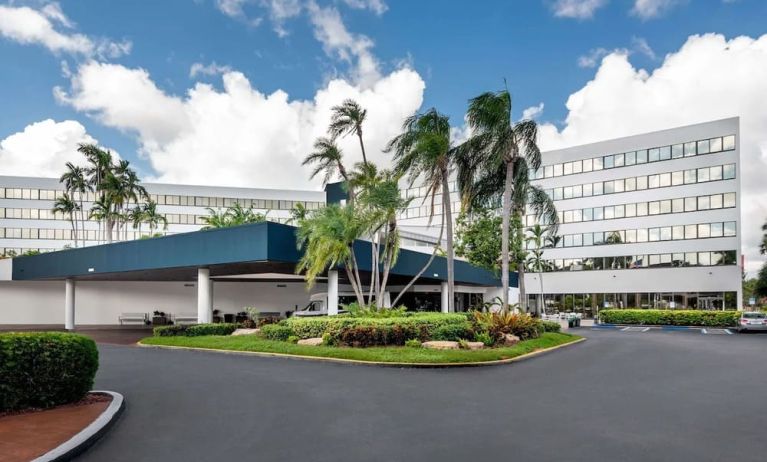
(45, 369)
(195, 330)
(671, 317)
(277, 332)
(453, 332)
(421, 325)
(551, 326)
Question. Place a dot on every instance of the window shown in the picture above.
(691, 259)
(588, 214)
(677, 205)
(690, 232)
(577, 166)
(619, 160)
(631, 210)
(548, 171)
(631, 184)
(729, 199)
(588, 239)
(641, 183)
(653, 181)
(704, 230)
(642, 235)
(704, 203)
(568, 192)
(728, 171)
(608, 162)
(609, 213)
(588, 190)
(631, 158)
(577, 240)
(619, 186)
(715, 201)
(677, 232)
(620, 211)
(729, 228)
(689, 149)
(654, 234)
(703, 147)
(597, 163)
(631, 236)
(690, 176)
(665, 153)
(654, 155)
(717, 230)
(599, 213)
(598, 190)
(677, 178)
(728, 143)
(665, 233)
(677, 151)
(715, 145)
(642, 156)
(703, 175)
(654, 208)
(568, 168)
(665, 180)
(557, 194)
(642, 209)
(704, 258)
(715, 173)
(665, 206)
(609, 187)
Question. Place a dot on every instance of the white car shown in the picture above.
(752, 321)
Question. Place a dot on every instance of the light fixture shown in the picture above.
(90, 270)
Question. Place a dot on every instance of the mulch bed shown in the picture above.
(30, 433)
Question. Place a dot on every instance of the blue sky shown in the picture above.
(233, 92)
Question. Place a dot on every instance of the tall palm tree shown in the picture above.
(68, 207)
(75, 183)
(153, 218)
(347, 118)
(498, 144)
(423, 150)
(327, 159)
(540, 238)
(137, 217)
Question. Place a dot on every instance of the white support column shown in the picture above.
(332, 293)
(387, 299)
(69, 305)
(204, 296)
(445, 298)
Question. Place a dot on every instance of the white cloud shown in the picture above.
(208, 69)
(29, 26)
(237, 135)
(648, 9)
(578, 9)
(42, 148)
(338, 42)
(709, 78)
(595, 55)
(379, 7)
(533, 112)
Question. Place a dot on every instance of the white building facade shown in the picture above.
(647, 221)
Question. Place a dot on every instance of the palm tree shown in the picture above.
(763, 245)
(68, 207)
(423, 150)
(346, 119)
(153, 218)
(327, 158)
(297, 213)
(539, 237)
(498, 145)
(137, 217)
(75, 183)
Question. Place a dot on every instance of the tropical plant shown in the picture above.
(493, 166)
(234, 215)
(539, 238)
(152, 217)
(66, 205)
(327, 159)
(346, 119)
(477, 238)
(75, 182)
(423, 150)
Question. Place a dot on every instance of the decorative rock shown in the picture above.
(246, 331)
(317, 341)
(475, 345)
(441, 345)
(509, 340)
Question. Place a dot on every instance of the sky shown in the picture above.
(234, 92)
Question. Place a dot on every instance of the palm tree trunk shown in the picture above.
(521, 283)
(388, 256)
(355, 267)
(82, 218)
(505, 218)
(541, 304)
(362, 146)
(373, 266)
(357, 290)
(425, 267)
(447, 218)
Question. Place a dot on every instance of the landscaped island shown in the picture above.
(382, 336)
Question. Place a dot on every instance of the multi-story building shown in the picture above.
(647, 221)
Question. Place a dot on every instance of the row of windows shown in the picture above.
(664, 260)
(162, 199)
(643, 156)
(590, 303)
(14, 251)
(47, 214)
(641, 209)
(425, 211)
(662, 233)
(638, 183)
(421, 191)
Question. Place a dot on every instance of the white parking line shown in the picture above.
(728, 331)
(646, 329)
(703, 331)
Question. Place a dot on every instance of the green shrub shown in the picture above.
(45, 369)
(485, 338)
(277, 332)
(453, 332)
(372, 311)
(498, 324)
(551, 326)
(422, 325)
(671, 317)
(413, 343)
(194, 330)
(293, 339)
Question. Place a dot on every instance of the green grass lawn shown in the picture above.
(381, 354)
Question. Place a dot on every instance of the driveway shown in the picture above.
(628, 396)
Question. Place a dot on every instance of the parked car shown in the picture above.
(752, 320)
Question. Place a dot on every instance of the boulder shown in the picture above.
(475, 345)
(317, 341)
(246, 331)
(441, 345)
(509, 340)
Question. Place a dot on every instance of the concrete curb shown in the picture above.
(499, 362)
(90, 434)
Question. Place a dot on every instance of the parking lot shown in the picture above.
(628, 395)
